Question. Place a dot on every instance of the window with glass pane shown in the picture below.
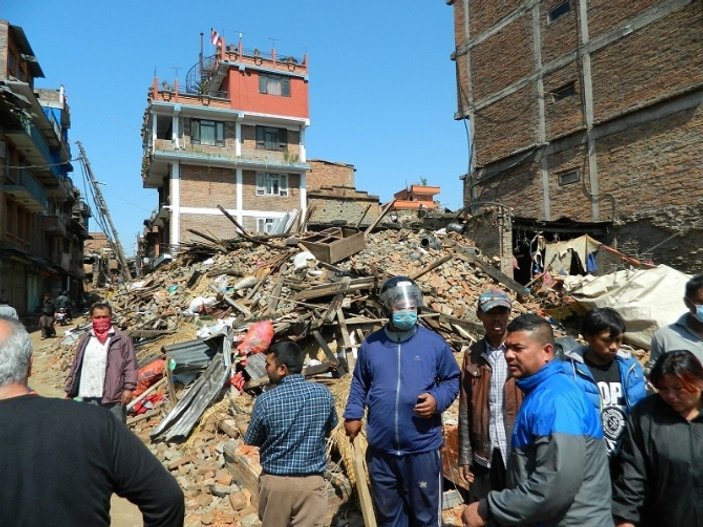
(272, 185)
(271, 138)
(274, 85)
(208, 132)
(264, 224)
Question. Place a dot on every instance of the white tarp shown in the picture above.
(647, 299)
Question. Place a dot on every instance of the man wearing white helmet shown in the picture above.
(406, 376)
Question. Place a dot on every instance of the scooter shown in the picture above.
(63, 316)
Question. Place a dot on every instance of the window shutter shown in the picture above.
(195, 130)
(263, 81)
(260, 185)
(283, 186)
(220, 133)
(285, 86)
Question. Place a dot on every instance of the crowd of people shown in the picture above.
(584, 439)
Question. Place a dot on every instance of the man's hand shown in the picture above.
(127, 396)
(426, 405)
(352, 427)
(466, 474)
(471, 518)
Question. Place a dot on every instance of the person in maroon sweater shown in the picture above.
(61, 461)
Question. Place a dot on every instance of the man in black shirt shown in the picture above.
(611, 377)
(61, 461)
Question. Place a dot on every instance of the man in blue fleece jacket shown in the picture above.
(406, 376)
(558, 466)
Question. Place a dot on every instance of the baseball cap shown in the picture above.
(493, 298)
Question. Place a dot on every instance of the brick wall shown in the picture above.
(660, 59)
(559, 36)
(506, 125)
(329, 209)
(491, 231)
(520, 188)
(498, 61)
(658, 163)
(568, 200)
(487, 13)
(563, 116)
(606, 15)
(326, 174)
(459, 22)
(638, 234)
(274, 203)
(211, 225)
(207, 187)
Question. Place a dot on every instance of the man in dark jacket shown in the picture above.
(488, 401)
(61, 461)
(406, 376)
(104, 369)
(558, 468)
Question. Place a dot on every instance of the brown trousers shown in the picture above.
(292, 501)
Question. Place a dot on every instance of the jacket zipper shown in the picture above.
(397, 399)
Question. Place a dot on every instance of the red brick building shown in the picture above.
(233, 136)
(590, 110)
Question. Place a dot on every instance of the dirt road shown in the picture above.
(47, 379)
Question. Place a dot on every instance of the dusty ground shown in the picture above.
(47, 379)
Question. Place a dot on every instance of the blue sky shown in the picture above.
(382, 86)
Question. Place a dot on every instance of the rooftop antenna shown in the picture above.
(273, 41)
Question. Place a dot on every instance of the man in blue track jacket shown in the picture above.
(406, 376)
(558, 466)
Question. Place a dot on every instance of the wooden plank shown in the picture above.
(473, 327)
(362, 488)
(146, 392)
(346, 341)
(491, 271)
(334, 288)
(334, 360)
(380, 217)
(231, 301)
(429, 267)
(368, 208)
(171, 388)
(336, 301)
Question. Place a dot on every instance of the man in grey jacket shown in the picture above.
(558, 472)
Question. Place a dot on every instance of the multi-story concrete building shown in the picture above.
(43, 220)
(590, 110)
(233, 136)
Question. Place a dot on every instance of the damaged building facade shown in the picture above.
(43, 218)
(586, 118)
(233, 136)
(334, 199)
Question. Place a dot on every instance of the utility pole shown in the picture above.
(111, 236)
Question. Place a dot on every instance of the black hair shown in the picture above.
(683, 365)
(534, 324)
(288, 354)
(693, 285)
(602, 319)
(100, 305)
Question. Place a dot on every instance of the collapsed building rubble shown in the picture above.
(196, 315)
